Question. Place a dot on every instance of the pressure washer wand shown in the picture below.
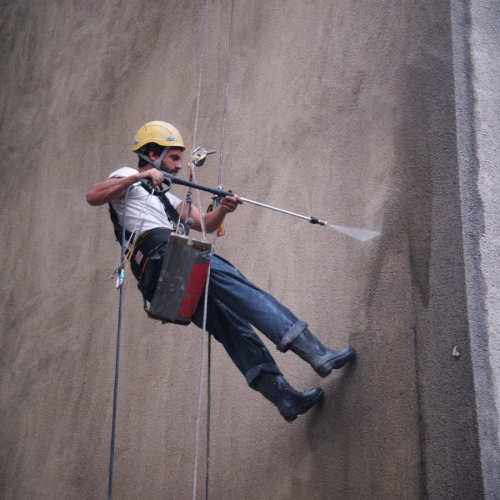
(172, 179)
(312, 220)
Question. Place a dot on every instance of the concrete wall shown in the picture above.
(357, 112)
(476, 54)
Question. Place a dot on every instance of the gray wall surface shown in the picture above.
(477, 73)
(380, 115)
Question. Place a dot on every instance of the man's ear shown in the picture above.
(152, 155)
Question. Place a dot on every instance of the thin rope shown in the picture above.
(209, 406)
(183, 204)
(202, 220)
(202, 362)
(200, 391)
(115, 397)
(226, 94)
(117, 358)
(200, 75)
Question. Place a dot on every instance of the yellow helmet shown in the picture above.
(161, 133)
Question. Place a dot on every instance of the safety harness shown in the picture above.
(171, 212)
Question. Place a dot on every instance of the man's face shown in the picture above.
(172, 163)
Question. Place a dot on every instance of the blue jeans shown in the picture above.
(234, 304)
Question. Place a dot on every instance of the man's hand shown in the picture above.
(213, 219)
(229, 204)
(154, 175)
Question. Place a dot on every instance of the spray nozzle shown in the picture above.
(315, 220)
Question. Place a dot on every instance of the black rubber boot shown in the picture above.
(310, 349)
(289, 402)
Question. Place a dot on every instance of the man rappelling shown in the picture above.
(233, 303)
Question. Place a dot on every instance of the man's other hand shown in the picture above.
(229, 204)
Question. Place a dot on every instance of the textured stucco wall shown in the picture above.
(344, 110)
(476, 25)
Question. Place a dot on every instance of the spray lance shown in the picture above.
(198, 159)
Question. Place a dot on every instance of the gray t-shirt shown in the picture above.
(139, 205)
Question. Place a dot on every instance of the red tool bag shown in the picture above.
(182, 279)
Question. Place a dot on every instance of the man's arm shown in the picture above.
(213, 219)
(116, 187)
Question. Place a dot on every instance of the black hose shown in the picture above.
(175, 180)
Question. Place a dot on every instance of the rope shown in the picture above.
(200, 393)
(117, 361)
(226, 94)
(214, 237)
(124, 261)
(202, 220)
(202, 360)
(115, 397)
(200, 75)
(209, 405)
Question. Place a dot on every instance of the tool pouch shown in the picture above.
(171, 271)
(181, 280)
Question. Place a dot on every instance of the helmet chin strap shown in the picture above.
(156, 163)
